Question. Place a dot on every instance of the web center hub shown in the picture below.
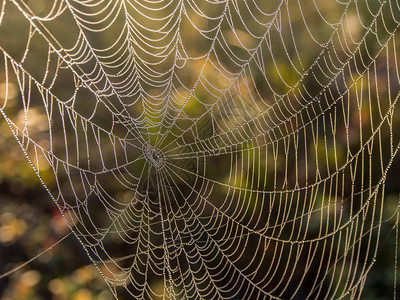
(154, 156)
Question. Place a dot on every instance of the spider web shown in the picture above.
(206, 149)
